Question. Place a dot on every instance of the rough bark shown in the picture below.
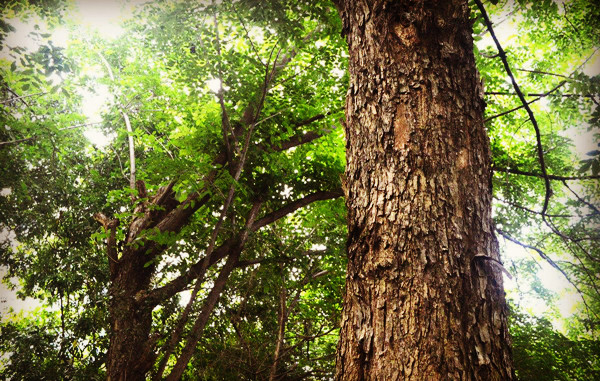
(421, 303)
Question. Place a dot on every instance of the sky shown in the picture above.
(104, 16)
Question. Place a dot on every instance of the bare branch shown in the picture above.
(21, 98)
(544, 73)
(36, 137)
(538, 137)
(132, 171)
(590, 205)
(566, 239)
(543, 255)
(528, 103)
(533, 211)
(541, 95)
(539, 175)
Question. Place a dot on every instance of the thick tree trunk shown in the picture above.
(424, 296)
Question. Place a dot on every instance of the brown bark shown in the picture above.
(420, 302)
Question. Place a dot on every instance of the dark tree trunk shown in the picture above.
(130, 354)
(424, 295)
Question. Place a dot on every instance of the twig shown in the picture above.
(247, 33)
(20, 97)
(528, 103)
(541, 95)
(225, 121)
(539, 175)
(60, 129)
(566, 239)
(547, 259)
(544, 73)
(592, 206)
(533, 211)
(132, 172)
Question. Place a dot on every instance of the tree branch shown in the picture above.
(543, 255)
(538, 137)
(110, 226)
(539, 175)
(590, 205)
(225, 121)
(231, 245)
(18, 97)
(132, 171)
(295, 205)
(533, 211)
(60, 129)
(540, 95)
(211, 301)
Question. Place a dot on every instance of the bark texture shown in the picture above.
(422, 302)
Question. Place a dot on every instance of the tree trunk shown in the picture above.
(130, 354)
(424, 295)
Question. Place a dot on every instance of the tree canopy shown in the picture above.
(223, 121)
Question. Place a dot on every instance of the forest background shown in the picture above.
(89, 111)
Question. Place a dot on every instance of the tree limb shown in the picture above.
(231, 245)
(539, 175)
(21, 98)
(211, 301)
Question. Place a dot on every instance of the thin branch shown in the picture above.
(161, 143)
(507, 16)
(590, 205)
(295, 205)
(527, 103)
(295, 141)
(545, 257)
(566, 239)
(225, 121)
(230, 245)
(538, 137)
(18, 97)
(36, 137)
(539, 175)
(300, 139)
(544, 73)
(132, 171)
(548, 92)
(211, 301)
(117, 154)
(247, 33)
(541, 95)
(533, 211)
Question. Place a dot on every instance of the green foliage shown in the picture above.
(543, 354)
